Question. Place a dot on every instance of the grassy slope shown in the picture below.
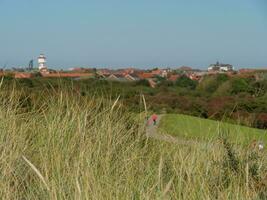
(194, 127)
(77, 148)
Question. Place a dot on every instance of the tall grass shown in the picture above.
(72, 147)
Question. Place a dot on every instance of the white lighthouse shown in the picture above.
(42, 62)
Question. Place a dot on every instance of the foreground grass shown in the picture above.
(196, 128)
(77, 148)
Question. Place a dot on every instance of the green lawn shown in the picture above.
(196, 128)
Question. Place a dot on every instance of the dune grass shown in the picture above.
(70, 147)
(197, 128)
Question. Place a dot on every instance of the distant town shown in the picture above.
(128, 73)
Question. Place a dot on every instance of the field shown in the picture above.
(67, 146)
(189, 127)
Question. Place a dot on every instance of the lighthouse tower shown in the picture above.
(42, 62)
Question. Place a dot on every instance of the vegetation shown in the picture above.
(195, 128)
(60, 144)
(186, 82)
(240, 100)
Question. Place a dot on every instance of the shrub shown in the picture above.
(186, 82)
(142, 82)
(240, 85)
(261, 121)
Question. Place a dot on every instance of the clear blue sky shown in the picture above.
(137, 33)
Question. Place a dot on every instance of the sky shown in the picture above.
(139, 33)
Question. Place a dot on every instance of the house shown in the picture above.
(105, 72)
(116, 77)
(82, 70)
(130, 70)
(156, 72)
(219, 67)
(100, 75)
(185, 69)
(146, 75)
(244, 71)
(22, 75)
(152, 83)
(66, 75)
(196, 76)
(174, 77)
(132, 77)
(160, 72)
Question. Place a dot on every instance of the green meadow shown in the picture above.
(189, 127)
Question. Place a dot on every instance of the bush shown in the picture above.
(240, 85)
(186, 82)
(142, 82)
(261, 121)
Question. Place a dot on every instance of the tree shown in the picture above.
(224, 89)
(186, 82)
(211, 83)
(240, 85)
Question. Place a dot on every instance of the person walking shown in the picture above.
(154, 118)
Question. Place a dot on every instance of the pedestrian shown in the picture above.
(154, 118)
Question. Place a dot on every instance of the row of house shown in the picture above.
(128, 74)
(132, 74)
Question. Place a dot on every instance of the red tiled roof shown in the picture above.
(241, 71)
(66, 75)
(24, 75)
(157, 72)
(185, 68)
(174, 77)
(81, 70)
(146, 75)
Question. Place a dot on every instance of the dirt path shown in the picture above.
(152, 131)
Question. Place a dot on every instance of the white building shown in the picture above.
(221, 67)
(42, 62)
